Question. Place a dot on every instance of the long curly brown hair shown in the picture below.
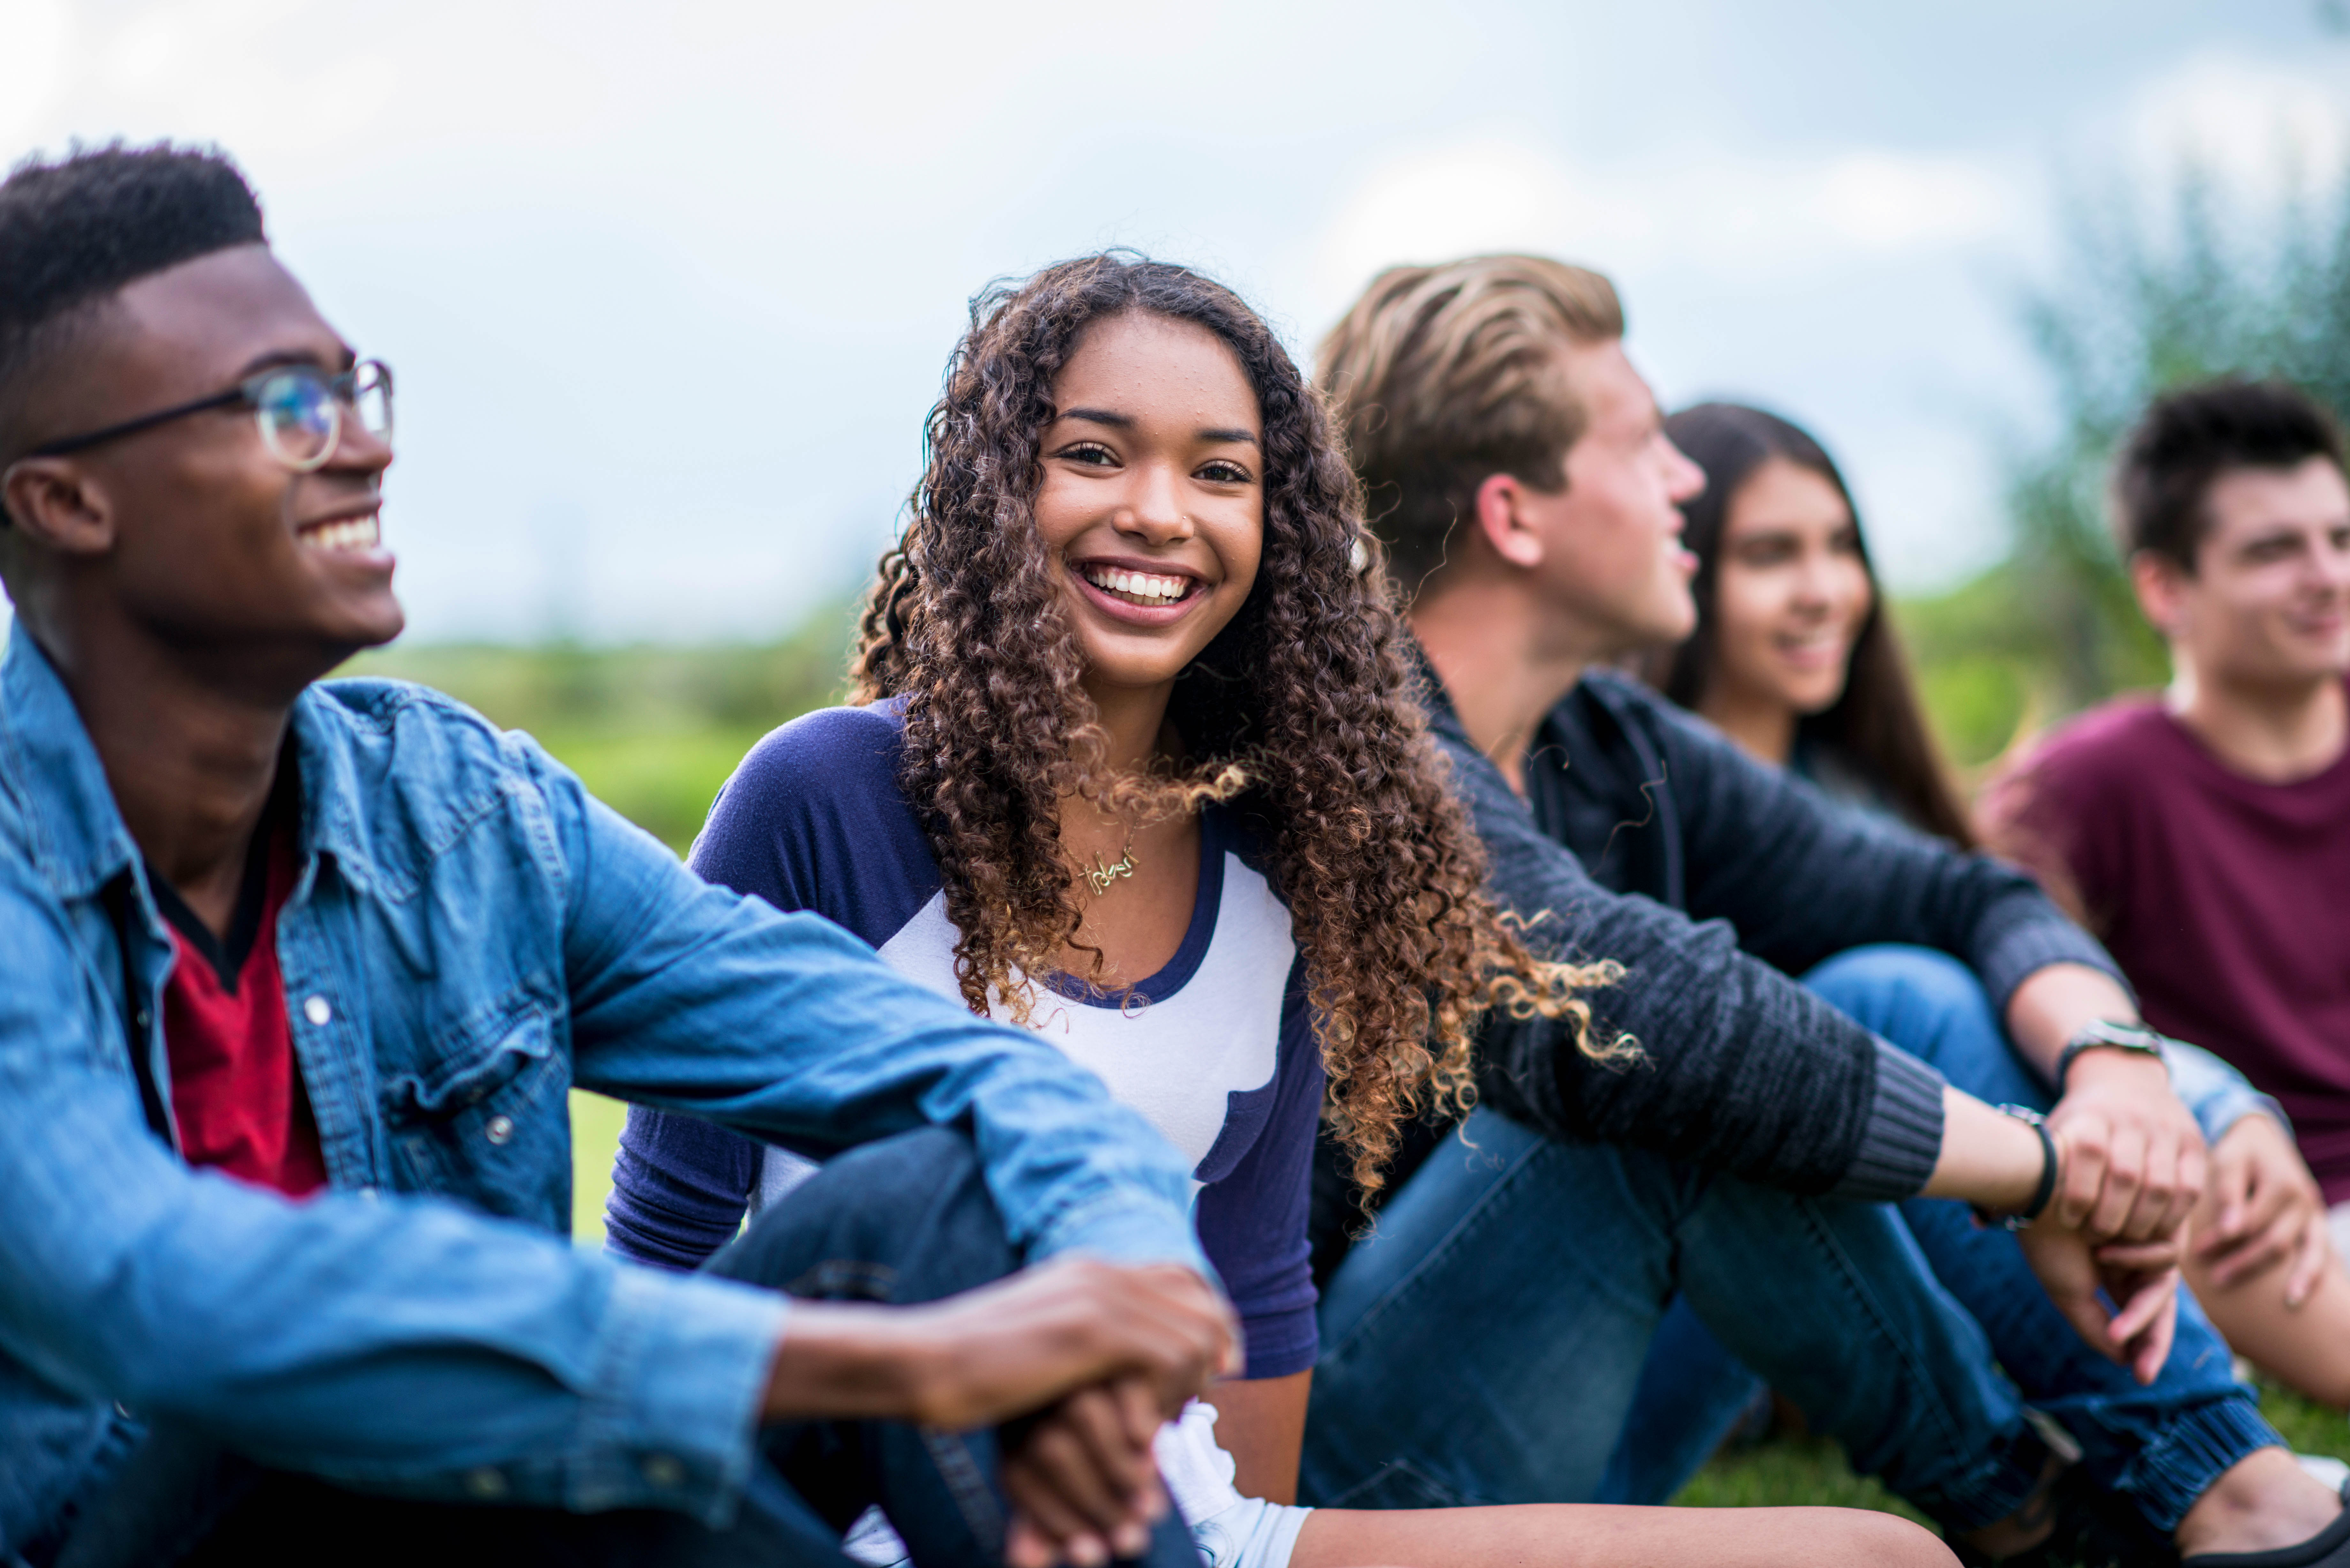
(1300, 711)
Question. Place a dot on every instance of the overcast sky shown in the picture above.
(669, 289)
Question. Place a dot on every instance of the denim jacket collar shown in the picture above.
(84, 842)
(54, 771)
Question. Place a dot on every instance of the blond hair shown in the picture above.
(1442, 376)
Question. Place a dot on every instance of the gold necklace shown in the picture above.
(1102, 876)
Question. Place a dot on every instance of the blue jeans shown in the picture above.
(905, 1219)
(2162, 1446)
(1482, 1343)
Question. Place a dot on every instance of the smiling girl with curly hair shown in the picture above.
(1136, 759)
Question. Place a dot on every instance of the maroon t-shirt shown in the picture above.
(237, 1088)
(2226, 900)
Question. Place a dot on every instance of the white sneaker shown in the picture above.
(2330, 1472)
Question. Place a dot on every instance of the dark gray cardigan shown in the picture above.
(1648, 837)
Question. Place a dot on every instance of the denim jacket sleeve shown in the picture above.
(2218, 1094)
(415, 1347)
(695, 998)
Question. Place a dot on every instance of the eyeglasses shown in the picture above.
(299, 408)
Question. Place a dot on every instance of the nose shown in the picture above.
(1152, 509)
(2333, 560)
(1684, 479)
(357, 450)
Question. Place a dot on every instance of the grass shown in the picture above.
(1779, 1473)
(655, 732)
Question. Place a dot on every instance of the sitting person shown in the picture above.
(1518, 470)
(1794, 659)
(1137, 761)
(2205, 834)
(300, 973)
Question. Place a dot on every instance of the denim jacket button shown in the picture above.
(664, 1472)
(317, 1011)
(485, 1483)
(500, 1129)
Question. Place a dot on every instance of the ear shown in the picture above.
(2161, 590)
(54, 503)
(1501, 521)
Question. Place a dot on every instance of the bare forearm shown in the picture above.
(1262, 1424)
(1005, 1349)
(1987, 1157)
(2053, 1003)
(846, 1361)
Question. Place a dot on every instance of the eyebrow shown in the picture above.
(273, 359)
(1126, 423)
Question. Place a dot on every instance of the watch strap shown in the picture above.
(2105, 1035)
(2042, 1193)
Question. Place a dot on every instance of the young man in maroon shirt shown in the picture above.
(2205, 832)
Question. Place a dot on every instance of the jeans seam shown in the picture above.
(966, 1484)
(1464, 1227)
(1848, 1278)
(838, 1277)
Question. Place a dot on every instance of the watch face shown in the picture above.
(2127, 1036)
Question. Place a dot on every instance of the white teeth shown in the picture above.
(1137, 585)
(357, 534)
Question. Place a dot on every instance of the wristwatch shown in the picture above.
(2041, 1194)
(2105, 1035)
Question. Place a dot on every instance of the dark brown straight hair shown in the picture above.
(1876, 722)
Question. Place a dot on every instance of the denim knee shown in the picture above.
(1927, 977)
(1932, 1006)
(904, 1219)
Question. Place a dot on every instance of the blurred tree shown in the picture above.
(653, 730)
(2151, 294)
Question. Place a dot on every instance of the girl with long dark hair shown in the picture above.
(1793, 657)
(1134, 760)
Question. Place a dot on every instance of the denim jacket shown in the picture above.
(2219, 1095)
(470, 936)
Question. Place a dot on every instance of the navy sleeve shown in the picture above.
(679, 1189)
(1253, 1219)
(811, 820)
(814, 820)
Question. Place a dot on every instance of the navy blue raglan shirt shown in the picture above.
(1216, 1049)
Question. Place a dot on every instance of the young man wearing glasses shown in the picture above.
(1516, 468)
(298, 977)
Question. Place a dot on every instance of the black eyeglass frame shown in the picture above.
(345, 389)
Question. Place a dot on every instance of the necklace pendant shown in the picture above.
(1102, 876)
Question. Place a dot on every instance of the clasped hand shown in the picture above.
(2131, 1167)
(1084, 1360)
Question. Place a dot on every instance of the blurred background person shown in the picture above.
(1795, 658)
(2204, 833)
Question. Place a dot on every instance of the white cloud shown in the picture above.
(1491, 195)
(1723, 214)
(34, 35)
(2254, 125)
(1891, 203)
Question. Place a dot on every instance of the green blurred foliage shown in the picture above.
(652, 730)
(2148, 296)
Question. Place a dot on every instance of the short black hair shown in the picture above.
(79, 229)
(2187, 438)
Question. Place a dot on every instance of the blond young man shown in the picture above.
(1476, 1342)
